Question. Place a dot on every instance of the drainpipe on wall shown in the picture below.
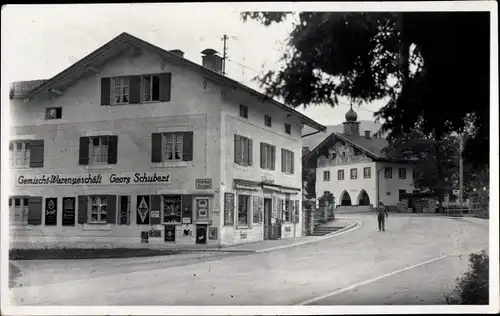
(378, 186)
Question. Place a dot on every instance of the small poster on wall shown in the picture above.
(50, 211)
(228, 209)
(213, 233)
(255, 209)
(144, 237)
(169, 233)
(68, 215)
(202, 208)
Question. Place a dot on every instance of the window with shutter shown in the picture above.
(120, 90)
(242, 150)
(267, 156)
(18, 210)
(19, 154)
(151, 88)
(287, 161)
(97, 209)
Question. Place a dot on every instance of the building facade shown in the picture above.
(354, 169)
(134, 144)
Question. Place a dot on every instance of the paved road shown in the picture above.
(282, 277)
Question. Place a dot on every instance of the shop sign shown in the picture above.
(203, 184)
(94, 179)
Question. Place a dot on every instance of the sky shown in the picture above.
(39, 41)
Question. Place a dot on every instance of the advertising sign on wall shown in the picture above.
(142, 210)
(51, 211)
(228, 208)
(170, 233)
(213, 233)
(68, 212)
(203, 184)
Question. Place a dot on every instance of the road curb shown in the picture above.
(344, 230)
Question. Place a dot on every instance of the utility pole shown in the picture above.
(461, 167)
(224, 54)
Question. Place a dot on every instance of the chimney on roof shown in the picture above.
(367, 134)
(211, 60)
(177, 52)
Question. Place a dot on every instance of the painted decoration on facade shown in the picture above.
(170, 233)
(50, 211)
(256, 209)
(202, 208)
(340, 154)
(68, 215)
(228, 209)
(143, 210)
(213, 233)
(93, 179)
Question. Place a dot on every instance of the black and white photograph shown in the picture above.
(250, 158)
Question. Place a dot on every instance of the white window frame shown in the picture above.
(248, 210)
(144, 89)
(404, 173)
(19, 157)
(98, 155)
(22, 210)
(288, 160)
(121, 84)
(172, 145)
(367, 175)
(100, 203)
(326, 175)
(340, 174)
(353, 176)
(267, 154)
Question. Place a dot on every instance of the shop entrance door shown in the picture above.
(268, 227)
(201, 233)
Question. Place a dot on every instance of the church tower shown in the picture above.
(351, 125)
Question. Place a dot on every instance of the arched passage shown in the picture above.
(363, 198)
(345, 199)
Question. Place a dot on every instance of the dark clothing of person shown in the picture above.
(381, 215)
(381, 222)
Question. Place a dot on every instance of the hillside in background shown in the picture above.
(314, 140)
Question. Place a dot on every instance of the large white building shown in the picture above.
(355, 170)
(136, 143)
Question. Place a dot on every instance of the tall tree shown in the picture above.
(308, 177)
(436, 161)
(431, 67)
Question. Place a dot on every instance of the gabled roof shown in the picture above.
(30, 89)
(372, 147)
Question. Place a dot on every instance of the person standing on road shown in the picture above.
(381, 216)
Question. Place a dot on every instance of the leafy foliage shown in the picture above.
(432, 67)
(308, 177)
(473, 287)
(437, 161)
(327, 199)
